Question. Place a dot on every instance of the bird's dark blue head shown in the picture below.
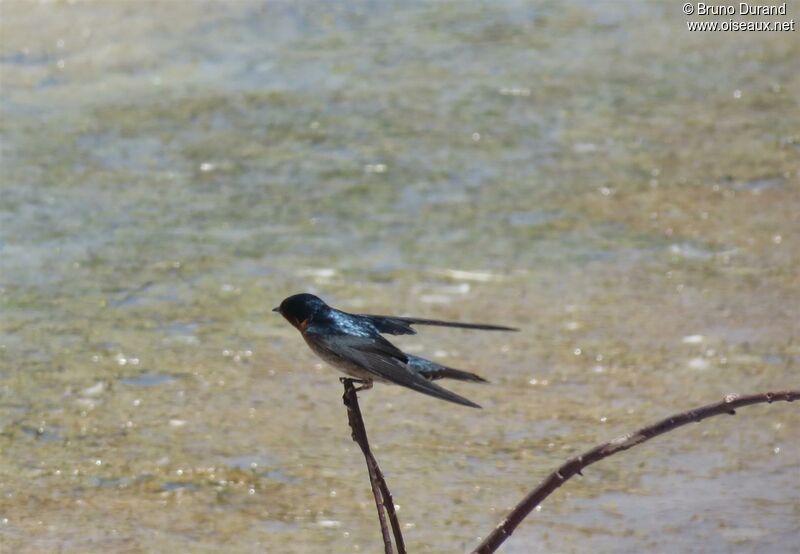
(299, 309)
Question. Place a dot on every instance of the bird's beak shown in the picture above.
(278, 309)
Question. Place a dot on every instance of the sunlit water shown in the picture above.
(624, 191)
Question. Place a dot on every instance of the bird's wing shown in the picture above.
(434, 371)
(402, 325)
(384, 360)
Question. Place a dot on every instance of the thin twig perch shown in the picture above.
(380, 490)
(574, 466)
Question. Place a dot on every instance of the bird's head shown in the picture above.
(298, 309)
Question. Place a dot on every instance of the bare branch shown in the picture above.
(380, 490)
(574, 466)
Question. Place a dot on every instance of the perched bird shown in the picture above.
(353, 343)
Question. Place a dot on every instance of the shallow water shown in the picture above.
(624, 191)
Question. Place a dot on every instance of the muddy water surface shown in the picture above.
(624, 191)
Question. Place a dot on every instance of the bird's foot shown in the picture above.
(363, 384)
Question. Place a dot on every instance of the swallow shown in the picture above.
(354, 344)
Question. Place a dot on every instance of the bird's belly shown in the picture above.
(350, 368)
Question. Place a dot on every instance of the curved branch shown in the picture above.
(574, 466)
